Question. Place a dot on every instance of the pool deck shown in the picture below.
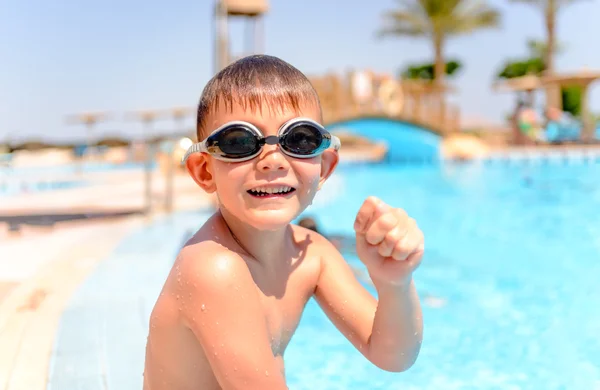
(42, 285)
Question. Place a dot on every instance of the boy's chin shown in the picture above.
(270, 219)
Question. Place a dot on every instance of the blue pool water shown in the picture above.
(512, 254)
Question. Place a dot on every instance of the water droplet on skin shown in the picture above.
(177, 296)
(234, 368)
(215, 354)
(217, 322)
(266, 373)
(203, 307)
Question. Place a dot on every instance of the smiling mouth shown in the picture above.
(271, 192)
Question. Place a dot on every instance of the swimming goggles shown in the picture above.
(241, 141)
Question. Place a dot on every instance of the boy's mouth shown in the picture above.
(271, 192)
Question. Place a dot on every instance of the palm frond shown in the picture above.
(405, 22)
(438, 19)
(472, 15)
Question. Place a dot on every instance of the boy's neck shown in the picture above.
(265, 246)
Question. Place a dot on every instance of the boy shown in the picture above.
(238, 288)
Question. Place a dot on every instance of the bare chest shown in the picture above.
(283, 309)
(282, 319)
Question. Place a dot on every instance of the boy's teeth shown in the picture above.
(272, 190)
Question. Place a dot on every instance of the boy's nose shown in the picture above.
(272, 159)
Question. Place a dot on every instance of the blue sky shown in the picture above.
(65, 57)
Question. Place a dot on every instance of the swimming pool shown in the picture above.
(508, 283)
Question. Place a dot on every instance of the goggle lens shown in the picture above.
(302, 139)
(235, 142)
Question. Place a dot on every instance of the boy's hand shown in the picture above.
(388, 242)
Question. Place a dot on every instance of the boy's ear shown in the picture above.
(329, 160)
(200, 169)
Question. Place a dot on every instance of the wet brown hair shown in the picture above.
(252, 81)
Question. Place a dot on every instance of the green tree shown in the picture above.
(571, 99)
(520, 68)
(426, 71)
(438, 21)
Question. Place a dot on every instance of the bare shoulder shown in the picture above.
(207, 267)
(218, 301)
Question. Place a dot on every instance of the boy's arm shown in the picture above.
(389, 243)
(222, 308)
(389, 332)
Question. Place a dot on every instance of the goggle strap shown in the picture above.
(199, 147)
(336, 144)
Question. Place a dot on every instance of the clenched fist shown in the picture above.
(388, 242)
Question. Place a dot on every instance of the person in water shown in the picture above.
(235, 294)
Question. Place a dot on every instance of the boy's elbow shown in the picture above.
(396, 363)
(397, 367)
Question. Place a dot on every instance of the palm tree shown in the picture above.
(438, 20)
(550, 9)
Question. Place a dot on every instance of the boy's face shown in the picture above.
(235, 183)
